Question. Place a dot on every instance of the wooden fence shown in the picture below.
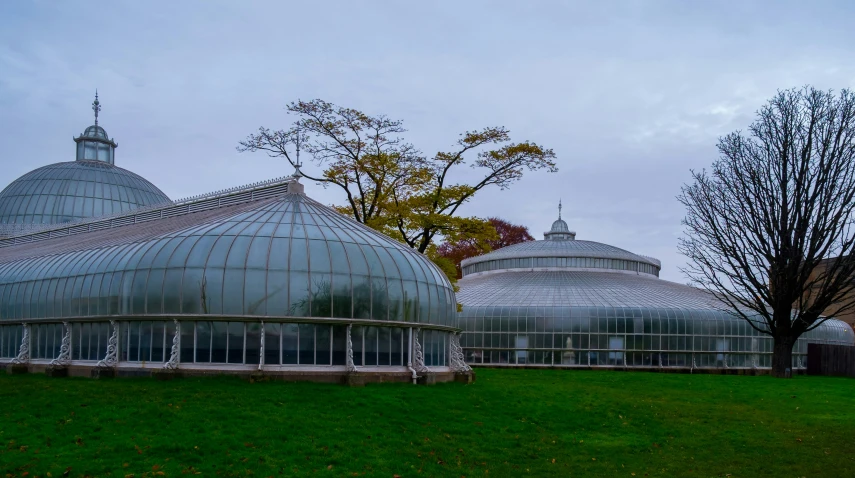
(837, 360)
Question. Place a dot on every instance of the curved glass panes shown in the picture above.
(291, 257)
(65, 192)
(583, 318)
(626, 337)
(95, 151)
(96, 132)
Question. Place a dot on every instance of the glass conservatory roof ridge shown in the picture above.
(165, 208)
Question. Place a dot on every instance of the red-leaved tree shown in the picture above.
(507, 234)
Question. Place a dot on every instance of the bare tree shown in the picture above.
(778, 201)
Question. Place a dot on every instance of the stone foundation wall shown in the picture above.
(336, 376)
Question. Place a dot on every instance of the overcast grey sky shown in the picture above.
(630, 95)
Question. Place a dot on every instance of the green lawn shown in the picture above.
(509, 423)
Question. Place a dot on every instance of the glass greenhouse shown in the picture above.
(259, 278)
(101, 272)
(571, 303)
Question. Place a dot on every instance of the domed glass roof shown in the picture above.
(95, 131)
(288, 256)
(91, 186)
(574, 248)
(567, 254)
(559, 226)
(70, 191)
(560, 251)
(580, 289)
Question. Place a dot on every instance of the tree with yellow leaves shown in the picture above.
(388, 184)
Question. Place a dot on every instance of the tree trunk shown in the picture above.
(782, 357)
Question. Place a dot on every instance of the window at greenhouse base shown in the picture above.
(248, 344)
(616, 337)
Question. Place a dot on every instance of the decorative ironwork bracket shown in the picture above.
(458, 359)
(261, 349)
(349, 366)
(418, 355)
(24, 351)
(175, 355)
(64, 358)
(112, 357)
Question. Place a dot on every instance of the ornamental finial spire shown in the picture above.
(96, 106)
(559, 209)
(297, 173)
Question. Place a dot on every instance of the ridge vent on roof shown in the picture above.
(226, 197)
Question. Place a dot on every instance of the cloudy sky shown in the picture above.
(630, 95)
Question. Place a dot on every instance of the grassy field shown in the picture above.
(509, 423)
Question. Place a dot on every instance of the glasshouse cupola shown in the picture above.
(94, 144)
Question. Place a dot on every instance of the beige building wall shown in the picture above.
(848, 317)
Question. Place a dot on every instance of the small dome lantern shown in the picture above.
(559, 231)
(94, 144)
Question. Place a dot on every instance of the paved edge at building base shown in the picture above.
(357, 379)
(689, 370)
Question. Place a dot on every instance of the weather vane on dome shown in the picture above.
(96, 106)
(559, 208)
